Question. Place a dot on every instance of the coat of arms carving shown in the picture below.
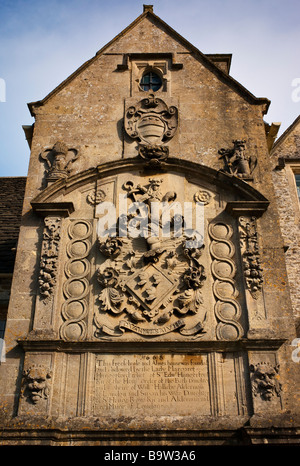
(151, 284)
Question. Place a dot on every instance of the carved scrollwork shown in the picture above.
(76, 287)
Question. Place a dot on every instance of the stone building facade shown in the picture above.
(150, 301)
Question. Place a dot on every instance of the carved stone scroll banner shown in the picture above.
(49, 257)
(227, 308)
(76, 287)
(151, 285)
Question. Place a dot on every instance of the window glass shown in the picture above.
(151, 82)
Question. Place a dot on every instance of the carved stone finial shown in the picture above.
(237, 162)
(58, 160)
(147, 8)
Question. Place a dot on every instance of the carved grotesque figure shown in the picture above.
(237, 162)
(36, 381)
(265, 380)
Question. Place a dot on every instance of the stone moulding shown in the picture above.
(227, 308)
(76, 287)
(55, 209)
(243, 190)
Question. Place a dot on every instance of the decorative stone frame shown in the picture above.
(139, 63)
(141, 67)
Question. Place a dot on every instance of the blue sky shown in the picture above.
(43, 42)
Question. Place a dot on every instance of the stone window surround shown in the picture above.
(139, 63)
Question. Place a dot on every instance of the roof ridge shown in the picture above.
(148, 12)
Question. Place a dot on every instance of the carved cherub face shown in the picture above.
(265, 380)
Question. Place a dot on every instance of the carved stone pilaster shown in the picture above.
(250, 255)
(49, 257)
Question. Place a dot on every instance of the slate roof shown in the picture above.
(12, 191)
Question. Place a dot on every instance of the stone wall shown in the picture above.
(285, 157)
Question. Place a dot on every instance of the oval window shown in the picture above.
(151, 81)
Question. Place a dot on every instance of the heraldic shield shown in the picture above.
(151, 276)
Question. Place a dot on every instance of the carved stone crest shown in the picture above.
(152, 122)
(151, 284)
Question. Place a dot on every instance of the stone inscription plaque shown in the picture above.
(156, 385)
